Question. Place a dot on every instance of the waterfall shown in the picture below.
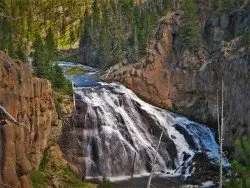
(116, 124)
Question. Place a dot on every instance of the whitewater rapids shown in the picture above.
(116, 124)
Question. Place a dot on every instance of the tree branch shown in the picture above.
(10, 117)
(154, 161)
(244, 5)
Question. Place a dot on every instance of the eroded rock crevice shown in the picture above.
(30, 101)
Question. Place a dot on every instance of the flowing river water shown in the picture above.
(119, 126)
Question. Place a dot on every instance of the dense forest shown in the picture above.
(108, 32)
(114, 30)
(37, 29)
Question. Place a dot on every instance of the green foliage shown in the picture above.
(44, 160)
(50, 45)
(21, 53)
(75, 70)
(45, 66)
(39, 179)
(189, 34)
(72, 58)
(21, 20)
(105, 183)
(246, 39)
(228, 37)
(241, 170)
(49, 170)
(223, 6)
(117, 29)
(73, 181)
(39, 61)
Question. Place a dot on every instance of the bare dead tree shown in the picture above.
(108, 73)
(74, 100)
(154, 161)
(132, 170)
(218, 115)
(11, 118)
(221, 133)
(244, 5)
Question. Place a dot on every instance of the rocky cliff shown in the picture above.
(187, 82)
(29, 101)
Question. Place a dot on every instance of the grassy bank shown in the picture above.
(75, 70)
(56, 172)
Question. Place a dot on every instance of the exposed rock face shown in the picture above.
(187, 83)
(89, 54)
(30, 101)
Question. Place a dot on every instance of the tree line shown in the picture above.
(37, 27)
(116, 29)
(45, 65)
(21, 20)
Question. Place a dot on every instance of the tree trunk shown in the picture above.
(132, 170)
(221, 132)
(153, 164)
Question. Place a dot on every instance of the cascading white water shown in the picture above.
(117, 124)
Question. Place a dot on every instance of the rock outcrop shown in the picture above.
(187, 83)
(30, 102)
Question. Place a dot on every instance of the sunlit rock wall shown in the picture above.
(30, 101)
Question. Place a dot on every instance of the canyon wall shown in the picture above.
(186, 82)
(30, 102)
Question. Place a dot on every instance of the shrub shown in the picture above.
(241, 170)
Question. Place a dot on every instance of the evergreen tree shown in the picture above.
(58, 80)
(189, 34)
(72, 38)
(44, 63)
(21, 53)
(241, 170)
(22, 19)
(105, 38)
(50, 45)
(39, 60)
(225, 5)
(119, 29)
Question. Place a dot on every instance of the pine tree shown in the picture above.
(58, 80)
(241, 170)
(39, 60)
(105, 38)
(50, 45)
(189, 34)
(72, 37)
(21, 53)
(225, 5)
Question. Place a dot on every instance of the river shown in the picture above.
(117, 126)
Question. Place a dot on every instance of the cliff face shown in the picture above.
(187, 83)
(29, 101)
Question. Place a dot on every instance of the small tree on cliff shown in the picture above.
(190, 30)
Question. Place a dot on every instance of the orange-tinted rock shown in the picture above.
(25, 182)
(30, 101)
(175, 79)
